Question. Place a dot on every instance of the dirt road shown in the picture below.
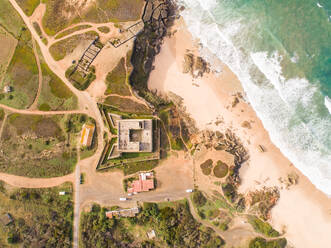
(25, 182)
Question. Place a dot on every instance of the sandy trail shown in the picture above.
(25, 182)
(39, 112)
(303, 211)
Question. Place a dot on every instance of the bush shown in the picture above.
(262, 243)
(262, 227)
(207, 164)
(221, 169)
(198, 198)
(229, 191)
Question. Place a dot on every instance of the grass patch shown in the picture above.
(126, 105)
(71, 30)
(55, 95)
(41, 217)
(8, 44)
(64, 47)
(131, 168)
(22, 75)
(170, 118)
(101, 11)
(28, 6)
(262, 227)
(79, 79)
(37, 28)
(104, 29)
(10, 20)
(40, 146)
(220, 170)
(116, 80)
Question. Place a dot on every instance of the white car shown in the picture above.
(189, 190)
(123, 199)
(129, 194)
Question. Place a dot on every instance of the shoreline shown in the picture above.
(209, 100)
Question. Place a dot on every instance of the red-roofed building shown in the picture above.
(144, 184)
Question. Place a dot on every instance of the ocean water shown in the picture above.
(281, 52)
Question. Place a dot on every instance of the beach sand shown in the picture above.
(303, 212)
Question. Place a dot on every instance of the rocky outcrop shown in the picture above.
(158, 16)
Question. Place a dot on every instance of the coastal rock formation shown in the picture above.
(158, 16)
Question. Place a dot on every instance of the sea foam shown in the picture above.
(327, 102)
(288, 108)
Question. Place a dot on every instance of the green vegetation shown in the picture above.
(172, 222)
(10, 20)
(229, 191)
(262, 227)
(64, 47)
(116, 80)
(71, 30)
(40, 146)
(263, 201)
(2, 114)
(79, 79)
(8, 44)
(126, 105)
(262, 243)
(41, 217)
(220, 170)
(206, 167)
(54, 95)
(131, 168)
(104, 29)
(37, 28)
(28, 6)
(101, 11)
(22, 75)
(198, 198)
(171, 119)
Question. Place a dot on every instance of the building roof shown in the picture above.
(145, 183)
(87, 134)
(129, 212)
(135, 135)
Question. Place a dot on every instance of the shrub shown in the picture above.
(198, 198)
(229, 191)
(262, 227)
(221, 169)
(262, 243)
(207, 164)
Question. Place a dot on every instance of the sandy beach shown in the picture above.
(303, 212)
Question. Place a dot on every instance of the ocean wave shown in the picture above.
(327, 102)
(291, 110)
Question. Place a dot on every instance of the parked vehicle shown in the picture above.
(189, 190)
(123, 199)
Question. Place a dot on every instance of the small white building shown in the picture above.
(7, 89)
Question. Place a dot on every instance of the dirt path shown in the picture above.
(25, 182)
(39, 112)
(40, 76)
(3, 124)
(76, 201)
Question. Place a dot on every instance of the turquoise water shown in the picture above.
(281, 52)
